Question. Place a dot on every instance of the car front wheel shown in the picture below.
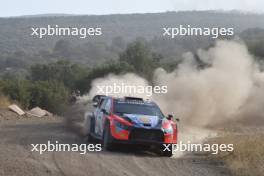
(107, 139)
(167, 152)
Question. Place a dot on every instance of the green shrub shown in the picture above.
(18, 90)
(84, 84)
(50, 95)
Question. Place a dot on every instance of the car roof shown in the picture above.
(133, 100)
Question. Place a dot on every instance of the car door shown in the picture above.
(98, 118)
(98, 108)
(106, 112)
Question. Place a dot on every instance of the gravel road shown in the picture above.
(16, 157)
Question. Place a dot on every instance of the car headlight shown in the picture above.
(168, 130)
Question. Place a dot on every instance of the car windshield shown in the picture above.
(139, 109)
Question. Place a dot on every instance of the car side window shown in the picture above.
(108, 106)
(102, 103)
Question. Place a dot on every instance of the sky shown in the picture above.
(34, 7)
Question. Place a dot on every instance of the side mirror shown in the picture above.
(170, 117)
(105, 112)
(95, 104)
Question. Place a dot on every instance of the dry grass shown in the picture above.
(247, 159)
(4, 102)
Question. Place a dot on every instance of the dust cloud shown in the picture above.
(229, 89)
(230, 85)
(129, 80)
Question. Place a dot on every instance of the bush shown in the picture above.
(50, 95)
(84, 85)
(61, 71)
(18, 90)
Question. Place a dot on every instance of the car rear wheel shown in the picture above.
(107, 139)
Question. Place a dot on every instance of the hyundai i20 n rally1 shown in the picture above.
(131, 120)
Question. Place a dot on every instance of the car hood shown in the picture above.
(145, 121)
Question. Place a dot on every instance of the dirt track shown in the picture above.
(16, 157)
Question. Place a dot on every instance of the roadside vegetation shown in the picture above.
(247, 158)
(4, 102)
(50, 85)
(48, 79)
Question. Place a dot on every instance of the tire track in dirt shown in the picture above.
(16, 157)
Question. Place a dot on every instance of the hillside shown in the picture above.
(15, 32)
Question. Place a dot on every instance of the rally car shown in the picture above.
(131, 120)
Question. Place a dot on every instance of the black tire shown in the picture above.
(107, 138)
(167, 153)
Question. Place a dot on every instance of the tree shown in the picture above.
(63, 48)
(84, 84)
(62, 71)
(140, 57)
(118, 44)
